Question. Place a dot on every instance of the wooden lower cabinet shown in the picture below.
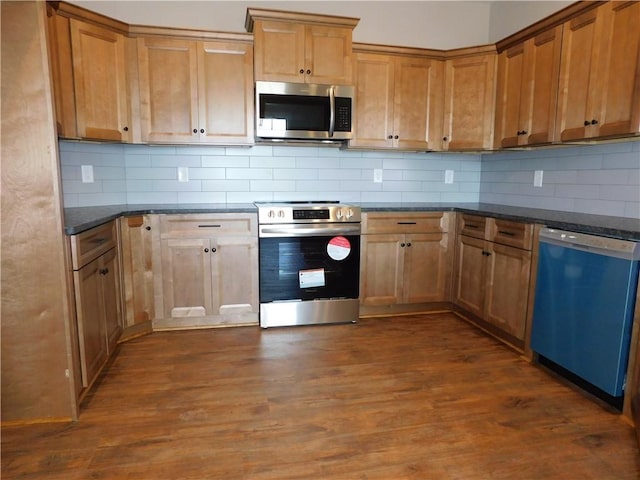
(137, 275)
(97, 293)
(208, 277)
(405, 268)
(492, 279)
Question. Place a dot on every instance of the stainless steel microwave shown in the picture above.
(297, 111)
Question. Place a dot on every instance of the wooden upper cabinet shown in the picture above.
(399, 101)
(469, 100)
(301, 48)
(225, 92)
(527, 85)
(168, 79)
(102, 101)
(195, 91)
(599, 93)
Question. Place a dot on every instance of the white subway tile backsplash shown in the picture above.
(602, 178)
(226, 185)
(273, 186)
(162, 161)
(202, 197)
(249, 173)
(222, 161)
(207, 173)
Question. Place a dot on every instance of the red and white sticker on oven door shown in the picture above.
(339, 248)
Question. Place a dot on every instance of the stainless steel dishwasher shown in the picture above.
(583, 310)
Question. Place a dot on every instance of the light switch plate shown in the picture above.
(537, 178)
(183, 174)
(377, 175)
(87, 173)
(448, 176)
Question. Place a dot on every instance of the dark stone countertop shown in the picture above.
(79, 219)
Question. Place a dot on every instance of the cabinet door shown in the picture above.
(618, 75)
(577, 73)
(539, 97)
(425, 268)
(510, 82)
(186, 277)
(508, 289)
(225, 92)
(418, 103)
(373, 119)
(168, 81)
(279, 51)
(470, 274)
(110, 271)
(328, 58)
(234, 278)
(91, 324)
(469, 102)
(382, 270)
(137, 274)
(102, 103)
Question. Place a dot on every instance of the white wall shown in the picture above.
(427, 24)
(507, 17)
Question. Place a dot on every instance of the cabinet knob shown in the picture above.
(195, 130)
(308, 72)
(103, 271)
(202, 130)
(126, 129)
(395, 136)
(402, 245)
(147, 228)
(408, 244)
(594, 122)
(206, 250)
(390, 137)
(301, 71)
(444, 139)
(213, 250)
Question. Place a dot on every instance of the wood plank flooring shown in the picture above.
(421, 397)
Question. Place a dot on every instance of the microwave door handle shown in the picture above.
(332, 114)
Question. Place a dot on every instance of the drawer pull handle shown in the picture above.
(508, 234)
(99, 240)
(209, 226)
(103, 271)
(470, 225)
(407, 223)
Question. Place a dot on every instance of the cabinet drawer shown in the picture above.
(512, 233)
(89, 245)
(399, 222)
(208, 225)
(472, 225)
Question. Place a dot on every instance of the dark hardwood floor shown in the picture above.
(422, 397)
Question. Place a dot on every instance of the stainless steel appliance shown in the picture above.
(309, 260)
(292, 111)
(583, 309)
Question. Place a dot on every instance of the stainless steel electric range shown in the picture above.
(309, 263)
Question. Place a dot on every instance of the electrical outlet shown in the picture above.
(377, 175)
(183, 174)
(87, 173)
(448, 176)
(537, 178)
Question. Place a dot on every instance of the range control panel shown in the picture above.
(307, 213)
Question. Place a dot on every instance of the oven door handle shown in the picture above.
(308, 231)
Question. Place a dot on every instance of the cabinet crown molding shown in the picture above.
(254, 14)
(547, 23)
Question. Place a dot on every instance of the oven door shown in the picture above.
(309, 267)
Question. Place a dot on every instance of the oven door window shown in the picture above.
(309, 268)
